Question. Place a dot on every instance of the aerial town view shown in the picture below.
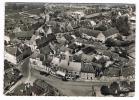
(69, 49)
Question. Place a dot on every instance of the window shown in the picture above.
(63, 57)
(70, 58)
(34, 62)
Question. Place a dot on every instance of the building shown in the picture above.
(11, 77)
(111, 33)
(66, 64)
(43, 41)
(40, 87)
(93, 33)
(12, 54)
(24, 35)
(6, 39)
(17, 54)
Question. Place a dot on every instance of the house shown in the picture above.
(11, 77)
(16, 54)
(32, 43)
(93, 23)
(46, 50)
(98, 46)
(6, 39)
(87, 68)
(131, 51)
(111, 33)
(12, 54)
(69, 27)
(68, 37)
(24, 35)
(94, 15)
(52, 27)
(43, 41)
(94, 33)
(101, 26)
(112, 72)
(110, 54)
(49, 31)
(26, 51)
(60, 38)
(87, 58)
(129, 71)
(40, 87)
(7, 65)
(23, 90)
(101, 37)
(76, 14)
(37, 64)
(87, 24)
(75, 24)
(16, 30)
(66, 63)
(133, 23)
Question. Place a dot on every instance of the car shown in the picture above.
(44, 73)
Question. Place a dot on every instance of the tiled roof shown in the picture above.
(45, 40)
(24, 34)
(110, 32)
(45, 50)
(11, 50)
(87, 68)
(112, 71)
(41, 84)
(128, 71)
(89, 32)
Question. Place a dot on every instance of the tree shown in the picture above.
(105, 90)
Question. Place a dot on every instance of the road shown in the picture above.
(68, 88)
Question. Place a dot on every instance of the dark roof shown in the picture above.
(18, 52)
(112, 71)
(86, 24)
(124, 85)
(7, 65)
(45, 50)
(89, 32)
(42, 84)
(131, 48)
(110, 32)
(87, 68)
(128, 71)
(54, 25)
(68, 37)
(24, 34)
(11, 50)
(12, 77)
(99, 45)
(88, 50)
(41, 41)
(74, 24)
(110, 54)
(45, 40)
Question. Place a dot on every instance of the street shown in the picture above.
(68, 88)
